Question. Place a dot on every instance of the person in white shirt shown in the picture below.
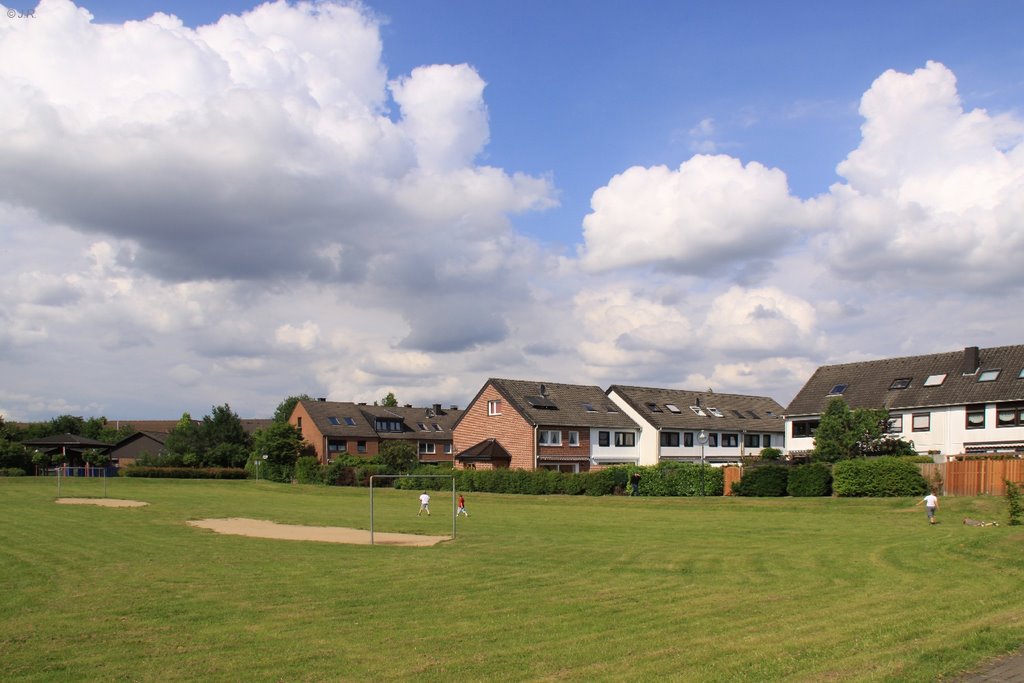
(424, 504)
(931, 504)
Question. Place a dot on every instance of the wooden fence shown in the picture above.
(730, 474)
(975, 477)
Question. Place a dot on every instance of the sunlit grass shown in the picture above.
(533, 588)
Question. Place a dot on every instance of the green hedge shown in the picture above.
(766, 480)
(877, 478)
(670, 479)
(12, 472)
(812, 479)
(185, 472)
(308, 470)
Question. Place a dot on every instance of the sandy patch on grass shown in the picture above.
(105, 502)
(292, 532)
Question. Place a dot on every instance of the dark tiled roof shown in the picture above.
(868, 382)
(488, 449)
(569, 403)
(756, 413)
(365, 416)
(68, 440)
(255, 424)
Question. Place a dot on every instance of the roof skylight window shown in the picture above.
(654, 407)
(437, 427)
(673, 408)
(838, 390)
(988, 376)
(935, 380)
(698, 411)
(900, 383)
(589, 407)
(1020, 375)
(738, 414)
(334, 420)
(422, 426)
(715, 411)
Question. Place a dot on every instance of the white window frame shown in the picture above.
(549, 437)
(494, 407)
(427, 448)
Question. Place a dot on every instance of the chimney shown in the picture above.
(972, 360)
(543, 390)
(698, 401)
(322, 399)
(437, 409)
(453, 407)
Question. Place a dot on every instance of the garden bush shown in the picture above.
(812, 479)
(878, 478)
(308, 470)
(185, 472)
(1013, 500)
(765, 481)
(12, 472)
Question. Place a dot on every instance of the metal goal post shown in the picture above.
(67, 472)
(412, 476)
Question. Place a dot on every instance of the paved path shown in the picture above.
(1009, 669)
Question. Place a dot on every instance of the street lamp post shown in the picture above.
(702, 437)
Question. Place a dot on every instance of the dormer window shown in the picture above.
(900, 383)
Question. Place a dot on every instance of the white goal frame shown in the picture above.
(412, 476)
(65, 468)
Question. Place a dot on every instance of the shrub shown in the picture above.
(12, 472)
(771, 453)
(767, 480)
(1013, 500)
(812, 479)
(308, 470)
(877, 477)
(185, 472)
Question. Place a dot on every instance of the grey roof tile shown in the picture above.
(868, 383)
(739, 412)
(569, 403)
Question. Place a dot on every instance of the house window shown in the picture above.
(767, 441)
(494, 407)
(935, 380)
(589, 407)
(730, 440)
(989, 376)
(423, 426)
(1010, 416)
(975, 417)
(350, 422)
(427, 448)
(550, 438)
(448, 448)
(688, 439)
(361, 446)
(334, 421)
(715, 411)
(437, 427)
(838, 390)
(654, 408)
(337, 446)
(804, 428)
(672, 408)
(603, 439)
(752, 441)
(625, 439)
(388, 425)
(697, 411)
(894, 425)
(713, 440)
(901, 383)
(670, 439)
(298, 423)
(574, 438)
(921, 422)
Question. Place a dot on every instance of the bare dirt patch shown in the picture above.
(105, 502)
(329, 534)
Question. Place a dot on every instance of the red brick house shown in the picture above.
(529, 425)
(334, 428)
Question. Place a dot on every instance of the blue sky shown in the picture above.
(665, 193)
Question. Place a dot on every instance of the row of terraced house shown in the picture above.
(969, 401)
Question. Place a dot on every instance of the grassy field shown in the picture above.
(534, 588)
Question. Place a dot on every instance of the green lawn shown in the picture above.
(534, 588)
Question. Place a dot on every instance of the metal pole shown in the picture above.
(702, 469)
(371, 508)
